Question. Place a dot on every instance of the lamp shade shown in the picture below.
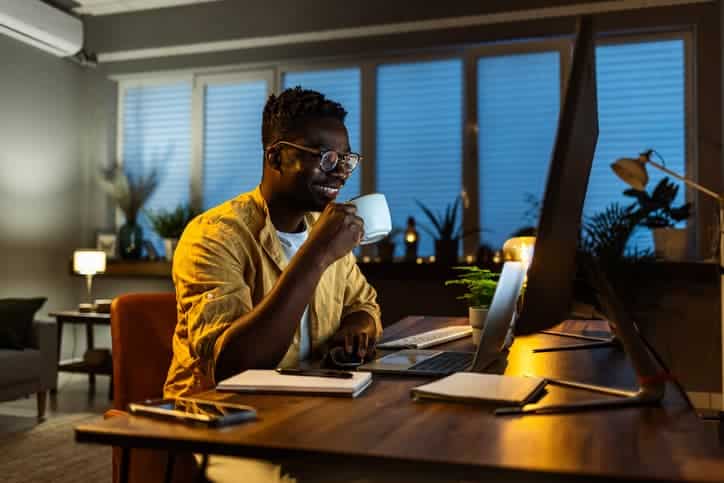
(89, 262)
(632, 171)
(519, 249)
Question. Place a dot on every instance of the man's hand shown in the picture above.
(337, 231)
(358, 332)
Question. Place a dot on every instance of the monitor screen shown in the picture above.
(549, 287)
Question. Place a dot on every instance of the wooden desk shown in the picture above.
(89, 319)
(384, 431)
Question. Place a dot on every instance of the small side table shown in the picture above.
(89, 319)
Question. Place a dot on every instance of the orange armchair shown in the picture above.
(142, 327)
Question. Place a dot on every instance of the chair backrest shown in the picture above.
(142, 327)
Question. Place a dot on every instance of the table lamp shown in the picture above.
(89, 263)
(633, 172)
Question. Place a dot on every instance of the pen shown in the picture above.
(315, 373)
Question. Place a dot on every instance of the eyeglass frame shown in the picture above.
(321, 153)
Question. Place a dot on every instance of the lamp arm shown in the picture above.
(685, 180)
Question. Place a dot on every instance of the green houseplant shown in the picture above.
(480, 287)
(447, 232)
(655, 211)
(130, 194)
(170, 224)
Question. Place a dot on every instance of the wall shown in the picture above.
(41, 181)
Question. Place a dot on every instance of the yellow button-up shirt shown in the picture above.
(227, 260)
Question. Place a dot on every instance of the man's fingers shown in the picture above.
(348, 342)
(363, 343)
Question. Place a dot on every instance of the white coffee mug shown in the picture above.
(374, 211)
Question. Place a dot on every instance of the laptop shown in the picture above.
(496, 338)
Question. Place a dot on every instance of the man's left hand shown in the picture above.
(357, 332)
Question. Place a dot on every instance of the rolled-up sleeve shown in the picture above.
(359, 295)
(208, 274)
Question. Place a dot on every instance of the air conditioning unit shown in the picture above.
(42, 26)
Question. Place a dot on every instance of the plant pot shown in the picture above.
(670, 243)
(169, 247)
(446, 251)
(130, 241)
(477, 317)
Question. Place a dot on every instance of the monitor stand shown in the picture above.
(592, 342)
(652, 379)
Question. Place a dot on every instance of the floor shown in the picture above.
(73, 397)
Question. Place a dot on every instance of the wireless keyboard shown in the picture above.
(429, 339)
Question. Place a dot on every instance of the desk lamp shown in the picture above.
(89, 263)
(633, 172)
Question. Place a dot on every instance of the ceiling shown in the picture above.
(107, 7)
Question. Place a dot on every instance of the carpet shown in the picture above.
(48, 453)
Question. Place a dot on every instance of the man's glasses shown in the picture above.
(328, 159)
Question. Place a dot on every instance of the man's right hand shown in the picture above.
(337, 231)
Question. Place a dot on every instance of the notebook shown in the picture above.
(474, 386)
(259, 380)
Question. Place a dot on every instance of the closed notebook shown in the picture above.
(259, 380)
(472, 386)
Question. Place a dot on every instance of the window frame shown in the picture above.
(273, 73)
(198, 111)
(471, 164)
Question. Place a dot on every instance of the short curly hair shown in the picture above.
(285, 113)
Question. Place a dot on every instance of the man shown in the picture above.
(263, 280)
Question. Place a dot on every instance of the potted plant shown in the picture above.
(656, 212)
(386, 246)
(480, 284)
(447, 233)
(130, 193)
(170, 224)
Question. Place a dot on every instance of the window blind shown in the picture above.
(419, 140)
(518, 105)
(232, 150)
(157, 135)
(641, 90)
(343, 86)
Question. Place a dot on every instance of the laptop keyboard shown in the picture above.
(446, 362)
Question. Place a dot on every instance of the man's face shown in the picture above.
(302, 180)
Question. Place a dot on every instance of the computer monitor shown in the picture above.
(549, 290)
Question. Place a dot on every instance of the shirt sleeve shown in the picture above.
(359, 295)
(208, 273)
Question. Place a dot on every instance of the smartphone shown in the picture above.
(190, 410)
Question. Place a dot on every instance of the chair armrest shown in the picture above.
(46, 340)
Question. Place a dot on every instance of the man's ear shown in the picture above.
(273, 159)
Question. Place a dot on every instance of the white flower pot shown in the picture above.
(477, 316)
(670, 243)
(169, 246)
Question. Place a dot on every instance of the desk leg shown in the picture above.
(59, 326)
(125, 463)
(90, 345)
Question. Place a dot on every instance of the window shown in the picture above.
(641, 94)
(343, 86)
(156, 134)
(419, 139)
(232, 149)
(518, 105)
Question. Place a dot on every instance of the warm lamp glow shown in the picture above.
(410, 237)
(89, 262)
(519, 249)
